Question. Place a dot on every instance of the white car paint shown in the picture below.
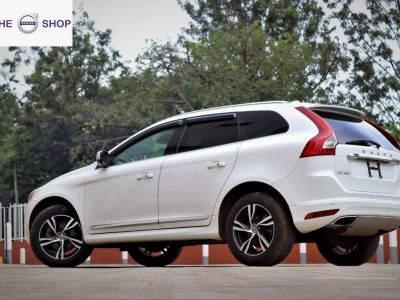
(191, 182)
(121, 198)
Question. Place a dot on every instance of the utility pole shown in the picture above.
(16, 184)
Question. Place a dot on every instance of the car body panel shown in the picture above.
(191, 182)
(319, 189)
(70, 187)
(121, 198)
(368, 169)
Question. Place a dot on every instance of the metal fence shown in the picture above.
(15, 215)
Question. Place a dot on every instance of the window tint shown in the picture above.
(355, 132)
(255, 124)
(152, 146)
(208, 134)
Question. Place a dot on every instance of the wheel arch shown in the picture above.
(47, 202)
(242, 189)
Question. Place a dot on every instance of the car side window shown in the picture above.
(208, 134)
(151, 146)
(255, 124)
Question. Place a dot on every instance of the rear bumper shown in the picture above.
(364, 225)
(313, 186)
(370, 216)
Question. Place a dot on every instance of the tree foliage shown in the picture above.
(372, 29)
(9, 116)
(302, 19)
(241, 51)
(61, 108)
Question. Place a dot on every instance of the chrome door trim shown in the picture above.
(178, 220)
(121, 225)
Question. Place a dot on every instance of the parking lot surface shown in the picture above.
(200, 282)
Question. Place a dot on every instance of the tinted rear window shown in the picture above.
(353, 131)
(255, 124)
(208, 134)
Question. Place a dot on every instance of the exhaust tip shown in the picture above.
(345, 221)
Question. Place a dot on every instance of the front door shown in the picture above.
(124, 196)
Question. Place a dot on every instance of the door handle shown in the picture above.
(145, 176)
(216, 164)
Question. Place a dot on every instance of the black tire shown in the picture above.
(56, 238)
(155, 255)
(348, 251)
(258, 230)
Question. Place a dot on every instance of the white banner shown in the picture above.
(36, 23)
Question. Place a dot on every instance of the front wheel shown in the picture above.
(258, 230)
(57, 239)
(347, 251)
(155, 255)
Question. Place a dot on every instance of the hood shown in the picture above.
(74, 173)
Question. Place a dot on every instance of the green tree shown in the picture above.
(372, 29)
(241, 51)
(121, 109)
(303, 19)
(9, 116)
(64, 104)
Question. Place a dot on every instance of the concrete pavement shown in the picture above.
(369, 281)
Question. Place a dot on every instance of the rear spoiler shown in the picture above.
(350, 112)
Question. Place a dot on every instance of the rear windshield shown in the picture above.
(352, 131)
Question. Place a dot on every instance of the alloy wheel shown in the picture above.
(253, 229)
(60, 237)
(155, 251)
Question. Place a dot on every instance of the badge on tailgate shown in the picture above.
(371, 168)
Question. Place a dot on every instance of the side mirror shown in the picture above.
(103, 159)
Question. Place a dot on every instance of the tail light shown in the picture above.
(324, 143)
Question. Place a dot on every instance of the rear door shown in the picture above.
(366, 161)
(192, 179)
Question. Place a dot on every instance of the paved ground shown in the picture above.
(198, 282)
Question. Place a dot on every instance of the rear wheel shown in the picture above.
(348, 251)
(57, 239)
(258, 231)
(155, 255)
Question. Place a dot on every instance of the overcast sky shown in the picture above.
(135, 21)
(132, 22)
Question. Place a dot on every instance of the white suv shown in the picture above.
(258, 177)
